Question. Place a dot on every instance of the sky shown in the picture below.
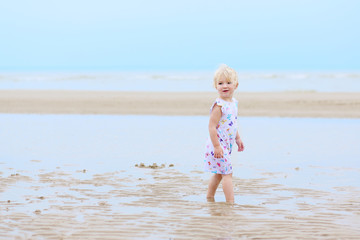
(252, 35)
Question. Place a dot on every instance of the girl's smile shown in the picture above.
(225, 88)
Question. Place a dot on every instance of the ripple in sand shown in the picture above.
(171, 204)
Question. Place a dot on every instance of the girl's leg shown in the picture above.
(228, 187)
(213, 185)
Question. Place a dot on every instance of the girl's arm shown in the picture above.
(239, 142)
(213, 122)
(237, 135)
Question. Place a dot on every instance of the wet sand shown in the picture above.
(75, 177)
(168, 204)
(273, 104)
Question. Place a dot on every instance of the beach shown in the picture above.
(128, 165)
(270, 104)
(105, 109)
(72, 176)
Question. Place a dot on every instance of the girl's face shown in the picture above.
(226, 88)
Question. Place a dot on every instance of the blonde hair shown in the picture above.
(227, 72)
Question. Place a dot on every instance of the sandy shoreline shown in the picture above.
(75, 177)
(272, 104)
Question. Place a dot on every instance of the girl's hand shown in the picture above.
(240, 144)
(218, 152)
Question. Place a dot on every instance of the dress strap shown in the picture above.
(218, 102)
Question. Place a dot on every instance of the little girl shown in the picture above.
(223, 133)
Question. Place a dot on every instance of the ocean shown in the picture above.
(180, 81)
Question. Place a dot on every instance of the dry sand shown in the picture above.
(273, 104)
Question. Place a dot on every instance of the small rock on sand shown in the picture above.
(153, 166)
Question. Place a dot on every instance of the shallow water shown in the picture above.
(181, 81)
(73, 176)
(105, 142)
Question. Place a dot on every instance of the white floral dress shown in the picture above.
(226, 132)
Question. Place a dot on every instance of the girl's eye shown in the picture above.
(229, 82)
(220, 83)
